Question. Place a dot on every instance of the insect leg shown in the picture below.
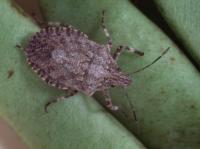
(71, 93)
(109, 39)
(109, 101)
(19, 46)
(121, 48)
(38, 20)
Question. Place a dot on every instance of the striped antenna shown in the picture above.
(154, 61)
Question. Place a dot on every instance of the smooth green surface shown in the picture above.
(184, 19)
(166, 96)
(77, 123)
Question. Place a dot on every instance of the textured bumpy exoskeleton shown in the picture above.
(65, 58)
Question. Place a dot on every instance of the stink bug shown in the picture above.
(67, 59)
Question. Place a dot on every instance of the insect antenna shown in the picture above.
(131, 105)
(154, 61)
(141, 69)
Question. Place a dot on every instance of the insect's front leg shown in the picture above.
(70, 93)
(121, 48)
(109, 39)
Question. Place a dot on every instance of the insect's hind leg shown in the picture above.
(121, 48)
(71, 93)
(109, 39)
(108, 100)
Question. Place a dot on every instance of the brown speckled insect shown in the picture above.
(65, 58)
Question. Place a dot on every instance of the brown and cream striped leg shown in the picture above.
(121, 48)
(70, 93)
(108, 100)
(109, 39)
